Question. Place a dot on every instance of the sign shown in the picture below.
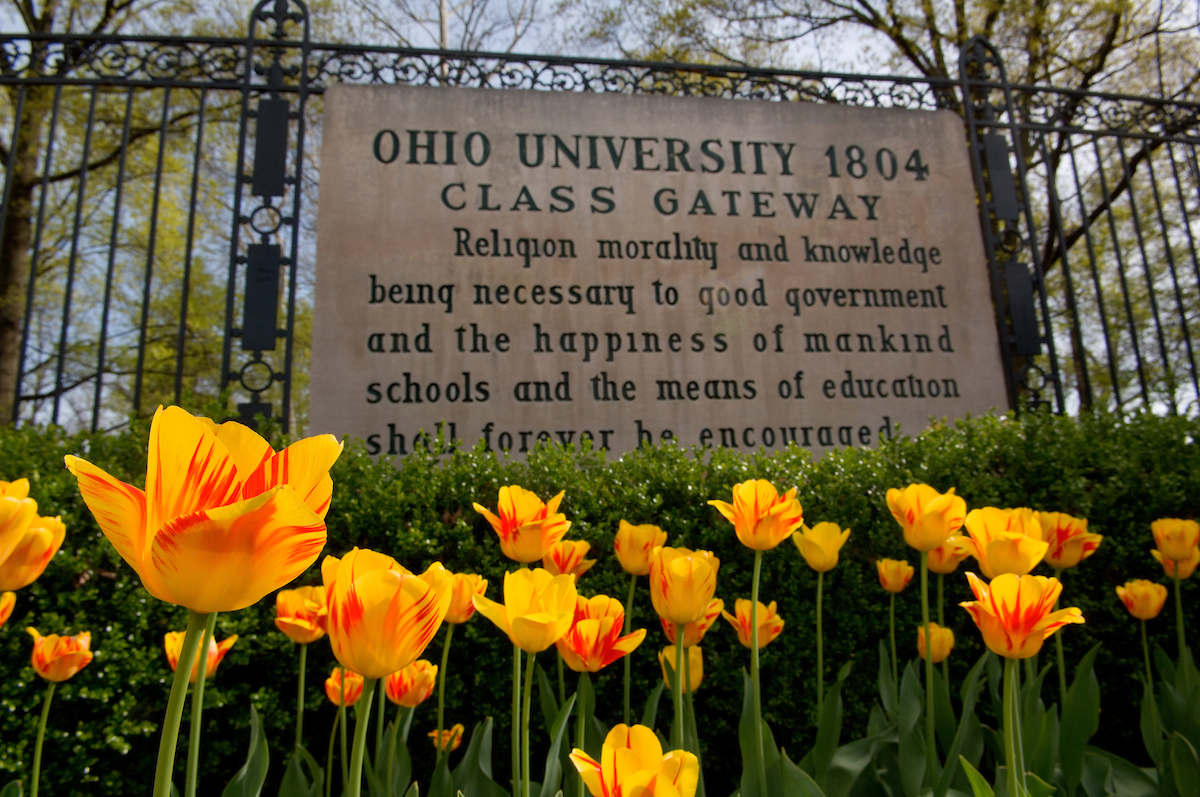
(524, 266)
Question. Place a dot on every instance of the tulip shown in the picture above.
(1004, 540)
(760, 516)
(894, 575)
(819, 546)
(55, 658)
(413, 685)
(682, 583)
(1186, 567)
(770, 624)
(527, 527)
(463, 589)
(594, 640)
(300, 614)
(451, 738)
(634, 546)
(693, 664)
(693, 633)
(32, 552)
(1144, 599)
(17, 511)
(927, 517)
(566, 556)
(173, 644)
(1070, 541)
(7, 601)
(943, 641)
(632, 764)
(343, 688)
(1176, 540)
(945, 559)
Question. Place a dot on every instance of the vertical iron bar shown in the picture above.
(293, 265)
(112, 255)
(152, 240)
(1187, 226)
(181, 342)
(239, 182)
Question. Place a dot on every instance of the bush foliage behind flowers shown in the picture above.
(104, 729)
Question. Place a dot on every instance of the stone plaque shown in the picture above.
(516, 266)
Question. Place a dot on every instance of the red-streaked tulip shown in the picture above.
(224, 520)
(928, 517)
(770, 624)
(894, 574)
(820, 545)
(761, 517)
(1069, 539)
(632, 764)
(943, 642)
(381, 617)
(1186, 566)
(463, 589)
(1144, 599)
(566, 556)
(695, 667)
(682, 583)
(352, 689)
(594, 640)
(945, 558)
(17, 511)
(413, 685)
(538, 608)
(451, 738)
(57, 658)
(300, 614)
(527, 528)
(1015, 613)
(634, 544)
(173, 645)
(7, 601)
(1004, 540)
(1175, 538)
(42, 539)
(693, 633)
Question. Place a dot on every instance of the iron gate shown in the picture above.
(157, 239)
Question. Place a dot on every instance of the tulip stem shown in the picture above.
(1062, 659)
(677, 691)
(170, 733)
(562, 682)
(895, 667)
(1013, 750)
(337, 718)
(407, 714)
(342, 717)
(1179, 614)
(41, 734)
(942, 622)
(628, 658)
(196, 724)
(820, 648)
(442, 686)
(581, 720)
(362, 718)
(528, 699)
(759, 753)
(690, 707)
(931, 759)
(379, 725)
(516, 722)
(300, 696)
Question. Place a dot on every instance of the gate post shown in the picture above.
(271, 227)
(1018, 287)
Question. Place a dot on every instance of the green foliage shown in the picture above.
(103, 730)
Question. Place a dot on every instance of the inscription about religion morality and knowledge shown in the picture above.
(524, 266)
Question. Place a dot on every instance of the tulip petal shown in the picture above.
(493, 611)
(304, 466)
(228, 558)
(247, 447)
(189, 470)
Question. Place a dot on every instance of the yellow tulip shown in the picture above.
(1186, 566)
(413, 685)
(594, 640)
(57, 658)
(695, 667)
(173, 645)
(300, 614)
(1144, 599)
(632, 764)
(770, 624)
(224, 520)
(634, 544)
(538, 608)
(1015, 613)
(927, 517)
(566, 556)
(463, 589)
(682, 583)
(1070, 541)
(344, 687)
(943, 641)
(1175, 538)
(17, 511)
(1004, 540)
(29, 557)
(945, 558)
(7, 601)
(761, 517)
(451, 738)
(693, 633)
(381, 617)
(527, 527)
(820, 545)
(894, 574)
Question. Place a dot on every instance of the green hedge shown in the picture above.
(1121, 474)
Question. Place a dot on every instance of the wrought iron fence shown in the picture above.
(157, 227)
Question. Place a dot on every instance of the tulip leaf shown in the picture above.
(546, 699)
(13, 789)
(1080, 719)
(887, 687)
(413, 790)
(943, 710)
(972, 685)
(795, 781)
(295, 783)
(553, 773)
(829, 731)
(995, 677)
(1151, 725)
(912, 742)
(1045, 752)
(1185, 764)
(978, 785)
(851, 760)
(442, 785)
(1164, 664)
(248, 781)
(1036, 786)
(1128, 780)
(750, 785)
(650, 712)
(473, 775)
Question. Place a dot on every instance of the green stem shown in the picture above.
(580, 721)
(41, 734)
(931, 759)
(333, 732)
(407, 713)
(526, 703)
(895, 666)
(300, 696)
(820, 648)
(1014, 753)
(196, 724)
(362, 718)
(562, 682)
(941, 600)
(759, 753)
(342, 717)
(1179, 613)
(391, 755)
(689, 708)
(516, 723)
(1062, 659)
(677, 692)
(629, 658)
(1149, 672)
(382, 721)
(170, 733)
(442, 686)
